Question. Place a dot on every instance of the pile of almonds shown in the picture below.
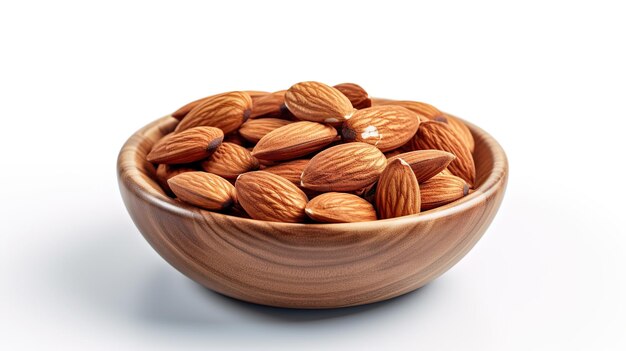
(314, 153)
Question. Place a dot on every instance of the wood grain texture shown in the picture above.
(308, 265)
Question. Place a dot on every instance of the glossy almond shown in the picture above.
(318, 102)
(425, 163)
(461, 130)
(235, 138)
(386, 127)
(270, 105)
(340, 208)
(165, 172)
(290, 170)
(345, 167)
(224, 111)
(268, 197)
(255, 129)
(202, 189)
(294, 140)
(397, 192)
(421, 108)
(185, 147)
(441, 190)
(440, 136)
(356, 94)
(182, 112)
(230, 160)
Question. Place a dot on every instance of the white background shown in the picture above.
(547, 79)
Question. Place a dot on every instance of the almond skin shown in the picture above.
(318, 102)
(268, 197)
(270, 105)
(165, 172)
(442, 189)
(345, 167)
(426, 111)
(255, 129)
(294, 140)
(356, 94)
(204, 190)
(229, 161)
(386, 127)
(461, 130)
(290, 170)
(397, 192)
(185, 147)
(437, 135)
(224, 111)
(182, 112)
(340, 208)
(425, 163)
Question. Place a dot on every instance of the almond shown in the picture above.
(294, 140)
(425, 163)
(235, 138)
(318, 102)
(290, 170)
(253, 130)
(225, 111)
(256, 94)
(441, 190)
(182, 112)
(440, 136)
(386, 127)
(421, 108)
(358, 96)
(461, 130)
(340, 208)
(229, 161)
(270, 105)
(345, 167)
(188, 146)
(165, 172)
(268, 197)
(205, 190)
(397, 192)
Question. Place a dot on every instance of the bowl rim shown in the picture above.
(128, 172)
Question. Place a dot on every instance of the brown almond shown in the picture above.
(290, 170)
(397, 191)
(340, 208)
(345, 167)
(318, 102)
(386, 127)
(421, 108)
(461, 130)
(425, 163)
(270, 105)
(165, 172)
(205, 190)
(235, 138)
(441, 190)
(182, 112)
(185, 147)
(294, 140)
(224, 111)
(268, 197)
(255, 129)
(440, 136)
(356, 94)
(229, 161)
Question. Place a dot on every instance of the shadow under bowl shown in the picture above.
(308, 265)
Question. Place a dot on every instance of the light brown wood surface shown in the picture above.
(308, 265)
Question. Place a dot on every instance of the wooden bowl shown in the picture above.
(308, 265)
